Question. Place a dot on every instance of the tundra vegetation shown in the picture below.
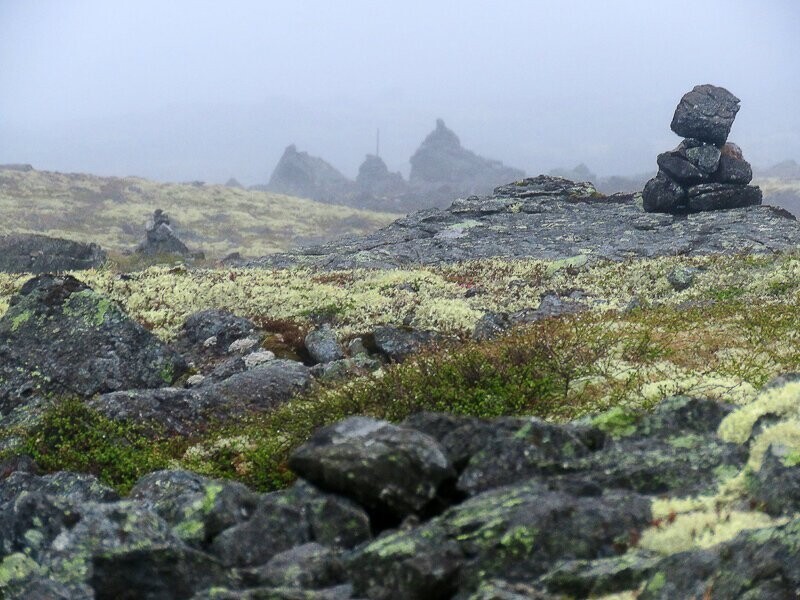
(722, 337)
(215, 219)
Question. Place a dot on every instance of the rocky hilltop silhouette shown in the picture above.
(441, 170)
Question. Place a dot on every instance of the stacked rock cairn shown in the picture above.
(705, 171)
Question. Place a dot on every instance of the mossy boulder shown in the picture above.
(197, 508)
(61, 337)
(515, 533)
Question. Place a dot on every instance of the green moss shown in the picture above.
(656, 582)
(792, 459)
(17, 567)
(519, 541)
(72, 437)
(617, 422)
(167, 373)
(20, 319)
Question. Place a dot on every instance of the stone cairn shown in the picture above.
(159, 237)
(705, 171)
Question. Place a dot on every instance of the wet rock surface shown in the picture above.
(555, 219)
(32, 253)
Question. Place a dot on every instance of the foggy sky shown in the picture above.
(198, 90)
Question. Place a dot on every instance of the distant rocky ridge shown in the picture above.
(441, 170)
(550, 218)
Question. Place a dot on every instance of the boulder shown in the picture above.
(514, 533)
(706, 113)
(106, 550)
(265, 386)
(776, 485)
(198, 508)
(662, 194)
(323, 346)
(213, 331)
(677, 167)
(398, 343)
(309, 566)
(170, 411)
(392, 471)
(276, 525)
(733, 168)
(718, 196)
(60, 336)
(32, 253)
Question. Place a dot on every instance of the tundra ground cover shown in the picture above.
(723, 337)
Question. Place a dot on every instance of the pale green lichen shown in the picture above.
(17, 567)
(20, 319)
(782, 401)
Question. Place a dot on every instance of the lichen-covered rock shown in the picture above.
(277, 524)
(345, 368)
(497, 589)
(757, 564)
(109, 549)
(59, 336)
(662, 194)
(588, 578)
(334, 521)
(161, 411)
(392, 471)
(212, 331)
(673, 449)
(309, 566)
(323, 346)
(551, 218)
(706, 113)
(516, 449)
(776, 485)
(197, 508)
(262, 387)
(513, 533)
(33, 253)
(397, 343)
(551, 305)
(339, 592)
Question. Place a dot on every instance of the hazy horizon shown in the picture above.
(206, 91)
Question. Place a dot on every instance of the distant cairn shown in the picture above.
(159, 237)
(705, 171)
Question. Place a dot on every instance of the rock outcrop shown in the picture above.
(441, 170)
(160, 239)
(444, 165)
(61, 337)
(705, 172)
(32, 253)
(555, 219)
(306, 176)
